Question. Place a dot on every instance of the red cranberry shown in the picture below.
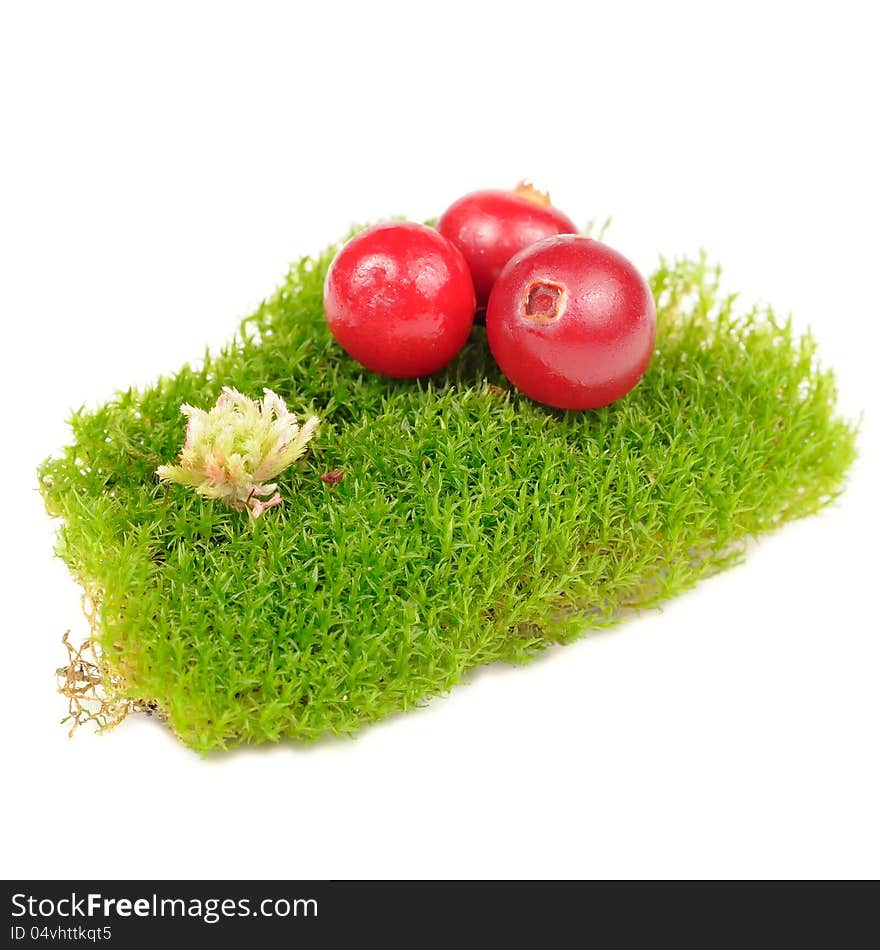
(571, 323)
(489, 227)
(399, 299)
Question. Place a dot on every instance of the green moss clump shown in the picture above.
(471, 524)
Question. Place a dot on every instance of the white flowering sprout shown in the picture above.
(234, 450)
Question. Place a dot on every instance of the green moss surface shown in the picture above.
(471, 524)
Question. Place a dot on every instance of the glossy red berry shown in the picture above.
(571, 323)
(489, 227)
(399, 299)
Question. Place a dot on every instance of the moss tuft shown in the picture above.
(471, 524)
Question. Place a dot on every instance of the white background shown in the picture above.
(161, 165)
